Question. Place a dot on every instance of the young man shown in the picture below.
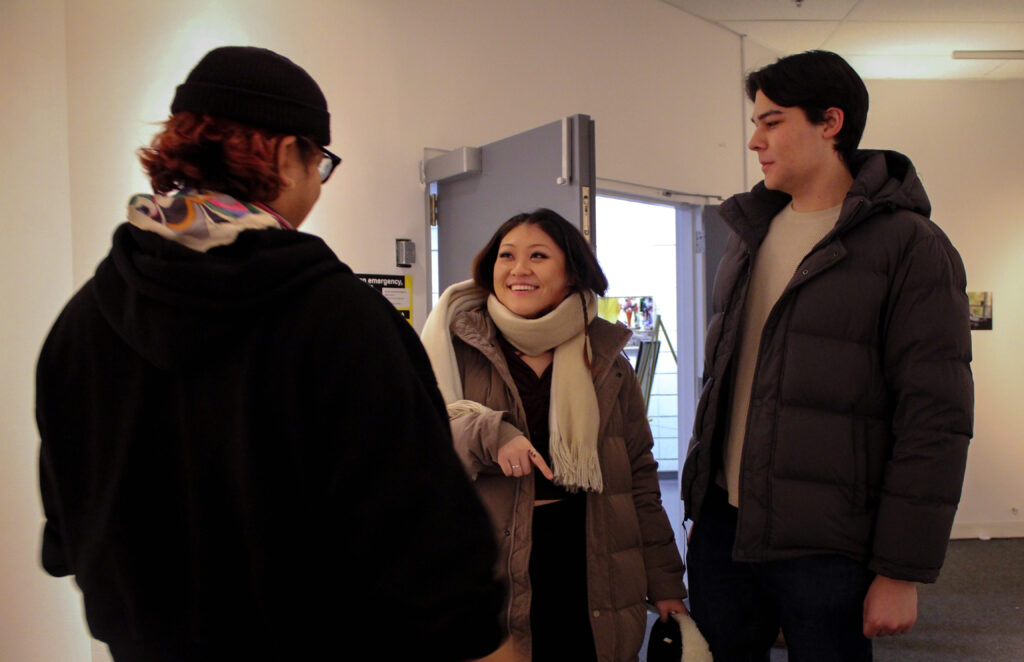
(831, 437)
(244, 452)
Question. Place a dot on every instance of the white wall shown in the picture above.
(402, 76)
(40, 617)
(85, 82)
(964, 141)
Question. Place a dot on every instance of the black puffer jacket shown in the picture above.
(862, 402)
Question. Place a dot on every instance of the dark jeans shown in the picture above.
(559, 616)
(739, 607)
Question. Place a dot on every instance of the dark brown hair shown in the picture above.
(581, 267)
(815, 81)
(211, 153)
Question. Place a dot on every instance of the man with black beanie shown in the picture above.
(244, 453)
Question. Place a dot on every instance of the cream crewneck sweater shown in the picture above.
(790, 238)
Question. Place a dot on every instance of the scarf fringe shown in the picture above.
(576, 467)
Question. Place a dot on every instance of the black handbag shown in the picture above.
(665, 643)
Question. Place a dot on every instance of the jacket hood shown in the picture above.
(175, 306)
(883, 181)
(887, 181)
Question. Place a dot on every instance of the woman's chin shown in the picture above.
(531, 312)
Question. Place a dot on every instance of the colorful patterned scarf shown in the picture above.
(200, 220)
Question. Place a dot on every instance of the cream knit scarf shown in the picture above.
(573, 415)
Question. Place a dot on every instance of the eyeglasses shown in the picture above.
(328, 162)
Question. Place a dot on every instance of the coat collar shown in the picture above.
(476, 329)
(883, 181)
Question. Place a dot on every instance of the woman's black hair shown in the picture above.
(581, 267)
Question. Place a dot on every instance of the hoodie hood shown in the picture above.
(175, 306)
(884, 181)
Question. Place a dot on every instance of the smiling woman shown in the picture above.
(530, 373)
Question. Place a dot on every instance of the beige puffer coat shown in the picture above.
(631, 551)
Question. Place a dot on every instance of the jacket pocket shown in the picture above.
(616, 470)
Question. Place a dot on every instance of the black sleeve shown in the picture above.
(927, 364)
(417, 529)
(54, 555)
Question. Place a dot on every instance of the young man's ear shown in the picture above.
(833, 122)
(283, 153)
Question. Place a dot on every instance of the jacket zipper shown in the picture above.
(769, 323)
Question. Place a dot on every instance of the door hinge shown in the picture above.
(699, 242)
(432, 211)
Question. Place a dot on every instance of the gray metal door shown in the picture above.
(551, 166)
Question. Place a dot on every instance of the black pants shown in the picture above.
(559, 614)
(739, 607)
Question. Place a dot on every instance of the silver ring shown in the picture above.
(515, 466)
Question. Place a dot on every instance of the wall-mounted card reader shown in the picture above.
(405, 252)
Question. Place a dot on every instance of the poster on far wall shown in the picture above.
(981, 310)
(396, 288)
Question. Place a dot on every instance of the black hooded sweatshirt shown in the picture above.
(245, 456)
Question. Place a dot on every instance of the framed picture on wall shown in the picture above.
(981, 310)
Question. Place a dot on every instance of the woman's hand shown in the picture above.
(518, 457)
(666, 607)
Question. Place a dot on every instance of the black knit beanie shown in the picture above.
(258, 87)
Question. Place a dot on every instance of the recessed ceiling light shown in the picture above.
(988, 55)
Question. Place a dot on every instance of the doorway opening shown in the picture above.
(647, 249)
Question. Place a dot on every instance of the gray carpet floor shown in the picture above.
(973, 613)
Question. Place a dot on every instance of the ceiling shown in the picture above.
(881, 38)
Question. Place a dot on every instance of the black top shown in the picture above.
(245, 456)
(535, 393)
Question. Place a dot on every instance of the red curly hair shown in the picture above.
(215, 154)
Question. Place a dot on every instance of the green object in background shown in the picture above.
(608, 309)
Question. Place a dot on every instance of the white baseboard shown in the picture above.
(986, 530)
